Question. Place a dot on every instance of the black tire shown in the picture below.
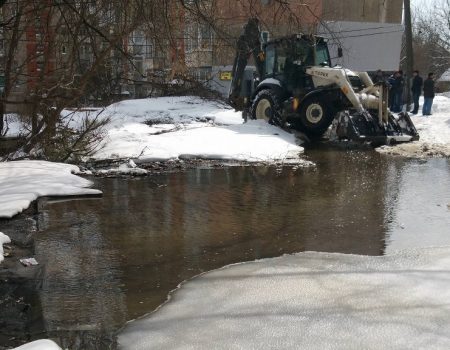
(267, 106)
(314, 117)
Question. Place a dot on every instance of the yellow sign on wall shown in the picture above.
(225, 76)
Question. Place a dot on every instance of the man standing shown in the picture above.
(378, 77)
(396, 92)
(428, 94)
(417, 83)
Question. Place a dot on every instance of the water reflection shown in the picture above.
(422, 215)
(116, 258)
(82, 294)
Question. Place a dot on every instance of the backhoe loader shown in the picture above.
(296, 86)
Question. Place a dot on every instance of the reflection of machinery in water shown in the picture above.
(240, 214)
(299, 88)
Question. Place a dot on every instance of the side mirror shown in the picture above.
(340, 53)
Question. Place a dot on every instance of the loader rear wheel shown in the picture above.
(267, 106)
(314, 118)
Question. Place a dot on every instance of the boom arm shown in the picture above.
(247, 44)
(372, 97)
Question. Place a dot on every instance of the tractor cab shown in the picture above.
(298, 88)
(286, 60)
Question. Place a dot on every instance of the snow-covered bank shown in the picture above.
(308, 301)
(3, 239)
(42, 344)
(434, 133)
(22, 182)
(158, 129)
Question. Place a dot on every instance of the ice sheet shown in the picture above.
(22, 182)
(308, 301)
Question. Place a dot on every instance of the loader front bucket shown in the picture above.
(365, 128)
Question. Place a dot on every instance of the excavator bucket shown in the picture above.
(365, 128)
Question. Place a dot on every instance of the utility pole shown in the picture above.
(409, 50)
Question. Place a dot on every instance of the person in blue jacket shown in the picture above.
(396, 93)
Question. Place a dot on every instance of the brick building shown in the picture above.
(197, 43)
(369, 31)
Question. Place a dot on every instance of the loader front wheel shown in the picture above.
(266, 105)
(314, 117)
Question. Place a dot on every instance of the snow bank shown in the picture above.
(434, 133)
(308, 301)
(22, 182)
(42, 344)
(161, 110)
(3, 239)
(255, 141)
(158, 129)
(172, 110)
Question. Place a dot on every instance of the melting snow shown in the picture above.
(42, 344)
(3, 239)
(157, 129)
(308, 301)
(434, 133)
(22, 182)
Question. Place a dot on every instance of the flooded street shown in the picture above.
(110, 260)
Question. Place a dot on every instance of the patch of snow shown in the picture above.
(434, 133)
(270, 81)
(3, 239)
(43, 344)
(129, 168)
(307, 301)
(175, 127)
(168, 110)
(22, 182)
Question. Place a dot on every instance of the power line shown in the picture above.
(371, 34)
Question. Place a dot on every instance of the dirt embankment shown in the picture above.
(417, 150)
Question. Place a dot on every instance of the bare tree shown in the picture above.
(69, 54)
(74, 46)
(432, 38)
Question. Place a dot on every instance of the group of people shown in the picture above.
(396, 86)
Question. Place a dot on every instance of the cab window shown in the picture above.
(322, 55)
(270, 59)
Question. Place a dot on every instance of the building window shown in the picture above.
(204, 37)
(198, 36)
(137, 42)
(203, 73)
(149, 49)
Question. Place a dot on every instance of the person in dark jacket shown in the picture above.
(428, 94)
(416, 89)
(378, 77)
(391, 81)
(396, 92)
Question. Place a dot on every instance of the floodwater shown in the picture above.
(110, 260)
